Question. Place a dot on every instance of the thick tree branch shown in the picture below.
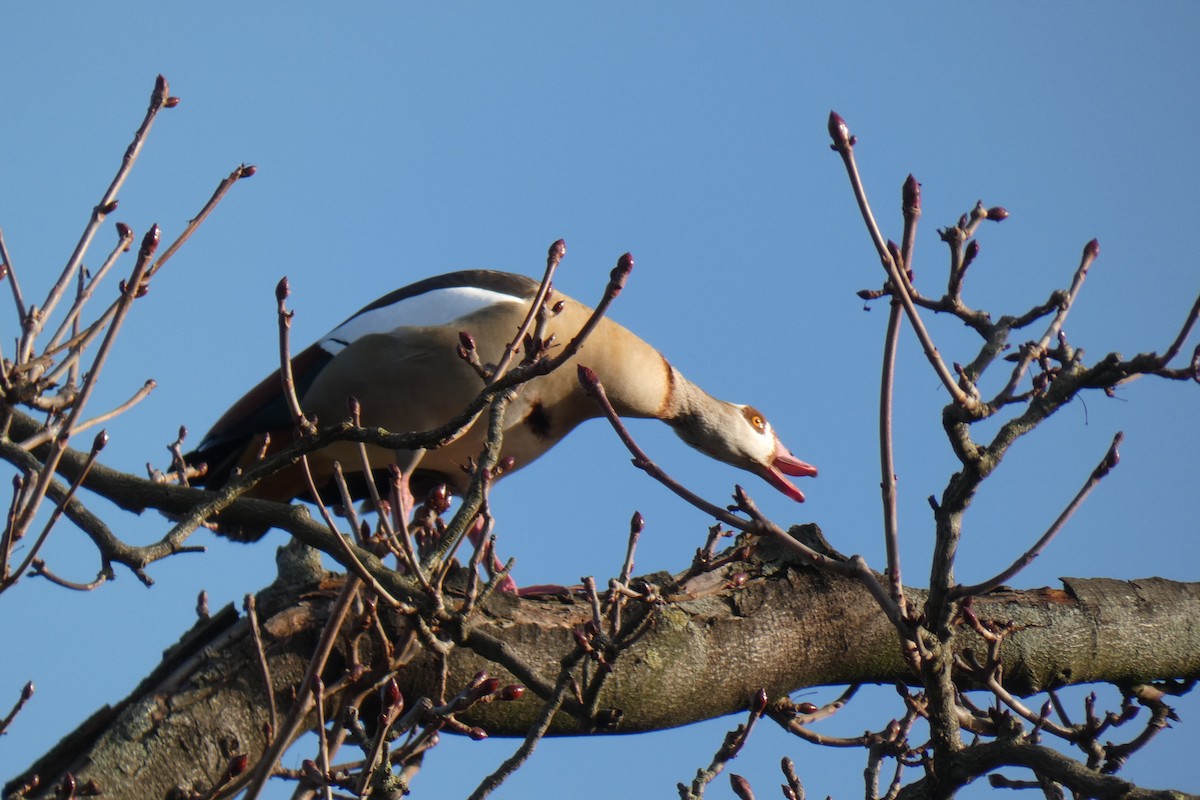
(701, 658)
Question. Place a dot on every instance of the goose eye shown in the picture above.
(756, 420)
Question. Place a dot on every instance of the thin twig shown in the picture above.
(129, 292)
(108, 202)
(553, 258)
(1110, 460)
(124, 241)
(1090, 251)
(843, 144)
(535, 734)
(97, 445)
(891, 524)
(284, 736)
(26, 693)
(1184, 332)
(287, 380)
(11, 275)
(251, 608)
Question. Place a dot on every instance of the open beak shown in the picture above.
(784, 463)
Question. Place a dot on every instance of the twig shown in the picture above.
(26, 693)
(1110, 460)
(734, 741)
(887, 461)
(239, 172)
(124, 241)
(352, 561)
(284, 736)
(134, 288)
(1090, 251)
(843, 144)
(108, 202)
(553, 258)
(288, 388)
(536, 731)
(1184, 332)
(318, 695)
(251, 608)
(11, 275)
(97, 445)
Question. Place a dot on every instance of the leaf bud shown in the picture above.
(997, 213)
(839, 132)
(971, 252)
(910, 195)
(741, 787)
(282, 289)
(514, 691)
(587, 379)
(247, 171)
(390, 694)
(759, 704)
(237, 765)
(617, 278)
(171, 102)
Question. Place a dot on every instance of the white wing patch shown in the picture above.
(437, 307)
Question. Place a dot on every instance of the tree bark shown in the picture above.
(705, 654)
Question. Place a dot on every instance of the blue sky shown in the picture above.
(396, 141)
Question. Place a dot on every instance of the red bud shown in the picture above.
(107, 208)
(238, 764)
(391, 694)
(759, 704)
(1092, 248)
(171, 102)
(149, 242)
(741, 787)
(557, 250)
(806, 708)
(247, 170)
(512, 692)
(997, 213)
(587, 379)
(477, 734)
(617, 278)
(99, 442)
(911, 195)
(839, 132)
(971, 252)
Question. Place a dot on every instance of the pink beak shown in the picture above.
(783, 462)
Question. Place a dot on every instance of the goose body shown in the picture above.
(398, 357)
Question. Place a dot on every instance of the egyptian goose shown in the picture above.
(398, 357)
